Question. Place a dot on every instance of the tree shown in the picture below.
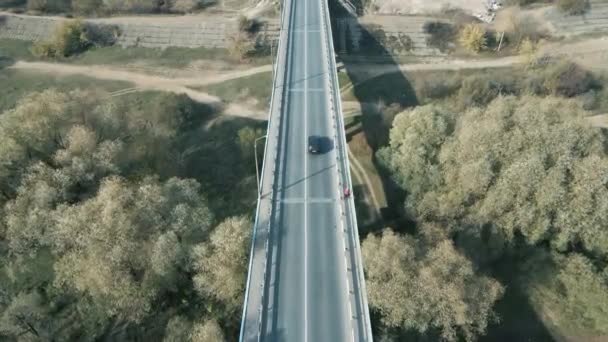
(69, 38)
(531, 167)
(246, 140)
(25, 317)
(473, 38)
(221, 264)
(95, 227)
(208, 331)
(178, 329)
(427, 288)
(571, 287)
(104, 245)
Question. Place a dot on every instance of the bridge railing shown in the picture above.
(347, 214)
(266, 199)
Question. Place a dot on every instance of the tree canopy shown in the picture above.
(525, 166)
(99, 228)
(434, 288)
(524, 179)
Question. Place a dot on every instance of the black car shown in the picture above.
(314, 144)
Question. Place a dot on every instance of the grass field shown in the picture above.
(173, 57)
(16, 84)
(258, 87)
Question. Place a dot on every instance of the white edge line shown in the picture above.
(305, 171)
(255, 225)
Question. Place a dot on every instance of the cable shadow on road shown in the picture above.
(299, 181)
(380, 98)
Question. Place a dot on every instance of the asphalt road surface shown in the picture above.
(307, 287)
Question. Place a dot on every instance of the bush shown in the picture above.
(441, 35)
(185, 6)
(248, 25)
(48, 5)
(477, 91)
(86, 6)
(567, 79)
(473, 38)
(241, 46)
(572, 7)
(70, 38)
(436, 87)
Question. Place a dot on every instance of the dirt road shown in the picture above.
(142, 81)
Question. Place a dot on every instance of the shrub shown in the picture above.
(473, 38)
(37, 5)
(440, 34)
(48, 5)
(572, 7)
(70, 38)
(248, 25)
(567, 79)
(240, 46)
(185, 6)
(435, 87)
(86, 6)
(481, 90)
(477, 91)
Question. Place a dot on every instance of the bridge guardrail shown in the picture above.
(335, 98)
(280, 60)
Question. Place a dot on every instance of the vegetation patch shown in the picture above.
(74, 37)
(19, 83)
(573, 7)
(441, 35)
(257, 87)
(115, 210)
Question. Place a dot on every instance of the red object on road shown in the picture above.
(346, 192)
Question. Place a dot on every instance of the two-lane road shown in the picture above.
(307, 296)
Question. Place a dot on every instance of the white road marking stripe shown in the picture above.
(305, 171)
(306, 90)
(311, 200)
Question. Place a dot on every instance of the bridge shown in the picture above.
(305, 280)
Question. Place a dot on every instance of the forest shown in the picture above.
(114, 219)
(506, 184)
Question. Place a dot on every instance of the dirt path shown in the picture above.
(142, 80)
(590, 53)
(599, 120)
(364, 178)
(150, 82)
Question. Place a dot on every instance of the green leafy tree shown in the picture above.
(427, 289)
